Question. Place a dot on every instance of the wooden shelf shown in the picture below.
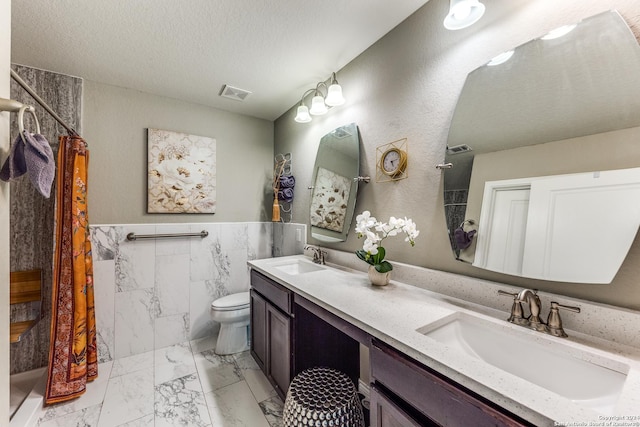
(26, 287)
(19, 329)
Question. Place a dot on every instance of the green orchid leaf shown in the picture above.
(364, 255)
(383, 267)
(379, 257)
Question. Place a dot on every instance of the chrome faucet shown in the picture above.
(318, 254)
(554, 322)
(517, 314)
(530, 297)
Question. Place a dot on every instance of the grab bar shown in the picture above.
(133, 237)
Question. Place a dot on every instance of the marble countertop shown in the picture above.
(395, 312)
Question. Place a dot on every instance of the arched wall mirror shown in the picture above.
(545, 153)
(334, 190)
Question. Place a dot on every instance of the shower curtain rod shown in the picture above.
(40, 101)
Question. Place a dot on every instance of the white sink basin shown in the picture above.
(298, 267)
(575, 374)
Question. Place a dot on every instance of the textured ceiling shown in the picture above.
(189, 49)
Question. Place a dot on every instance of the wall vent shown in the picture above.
(234, 93)
(457, 149)
(340, 132)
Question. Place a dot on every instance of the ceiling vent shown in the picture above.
(234, 93)
(462, 148)
(340, 132)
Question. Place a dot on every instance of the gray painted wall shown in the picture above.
(406, 86)
(115, 122)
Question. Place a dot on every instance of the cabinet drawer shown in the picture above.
(277, 294)
(437, 397)
(386, 413)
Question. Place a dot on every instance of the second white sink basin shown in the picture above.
(536, 359)
(298, 267)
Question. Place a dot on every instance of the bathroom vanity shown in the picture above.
(291, 333)
(304, 315)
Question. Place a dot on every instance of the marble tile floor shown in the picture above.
(181, 385)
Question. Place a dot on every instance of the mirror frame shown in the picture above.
(337, 165)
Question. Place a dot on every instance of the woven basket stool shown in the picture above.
(322, 397)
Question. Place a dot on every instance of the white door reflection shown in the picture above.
(570, 228)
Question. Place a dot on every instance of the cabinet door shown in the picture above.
(278, 349)
(385, 413)
(259, 329)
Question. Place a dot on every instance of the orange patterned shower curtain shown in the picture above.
(73, 356)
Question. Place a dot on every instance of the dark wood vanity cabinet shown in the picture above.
(407, 393)
(271, 330)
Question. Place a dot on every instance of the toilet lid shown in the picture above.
(232, 302)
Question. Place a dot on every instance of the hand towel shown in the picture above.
(463, 239)
(287, 181)
(40, 162)
(15, 165)
(286, 195)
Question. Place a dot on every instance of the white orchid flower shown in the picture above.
(371, 236)
(365, 224)
(365, 217)
(370, 246)
(397, 222)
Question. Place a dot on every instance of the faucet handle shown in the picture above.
(554, 322)
(516, 309)
(565, 307)
(505, 293)
(322, 256)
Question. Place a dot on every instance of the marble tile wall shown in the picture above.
(288, 238)
(32, 215)
(155, 293)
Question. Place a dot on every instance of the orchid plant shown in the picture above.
(375, 232)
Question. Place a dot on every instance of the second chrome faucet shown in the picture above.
(533, 321)
(318, 254)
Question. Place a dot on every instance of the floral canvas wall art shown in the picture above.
(329, 200)
(181, 173)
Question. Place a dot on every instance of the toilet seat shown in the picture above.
(231, 302)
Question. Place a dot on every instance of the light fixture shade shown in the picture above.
(558, 32)
(463, 13)
(302, 115)
(334, 95)
(501, 59)
(318, 107)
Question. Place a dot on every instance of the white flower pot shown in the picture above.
(377, 278)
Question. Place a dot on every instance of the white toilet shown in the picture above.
(232, 312)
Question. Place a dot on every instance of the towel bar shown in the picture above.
(133, 237)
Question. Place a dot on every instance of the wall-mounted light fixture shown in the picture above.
(559, 32)
(501, 58)
(320, 102)
(463, 13)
